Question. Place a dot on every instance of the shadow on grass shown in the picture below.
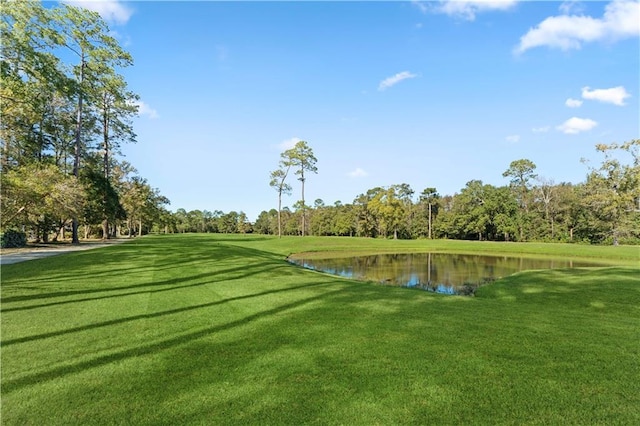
(141, 257)
(55, 373)
(612, 288)
(221, 275)
(317, 349)
(173, 261)
(396, 314)
(153, 315)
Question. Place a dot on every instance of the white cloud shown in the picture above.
(513, 138)
(393, 80)
(110, 10)
(576, 125)
(288, 144)
(621, 20)
(614, 95)
(573, 103)
(543, 129)
(358, 172)
(571, 6)
(468, 9)
(145, 109)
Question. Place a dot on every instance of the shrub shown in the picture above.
(467, 289)
(12, 239)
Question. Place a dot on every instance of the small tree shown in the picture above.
(430, 197)
(302, 159)
(102, 203)
(37, 195)
(278, 182)
(521, 173)
(612, 191)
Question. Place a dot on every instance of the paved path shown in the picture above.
(9, 256)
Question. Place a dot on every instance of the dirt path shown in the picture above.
(9, 256)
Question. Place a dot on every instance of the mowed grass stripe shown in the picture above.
(219, 329)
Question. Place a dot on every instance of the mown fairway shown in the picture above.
(217, 329)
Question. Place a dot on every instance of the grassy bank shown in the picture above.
(199, 329)
(342, 246)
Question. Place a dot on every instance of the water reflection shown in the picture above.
(437, 272)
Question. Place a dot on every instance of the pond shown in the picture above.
(444, 273)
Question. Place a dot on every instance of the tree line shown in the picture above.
(604, 209)
(66, 111)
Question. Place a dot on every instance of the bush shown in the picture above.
(13, 239)
(468, 289)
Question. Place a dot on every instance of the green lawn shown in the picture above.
(220, 329)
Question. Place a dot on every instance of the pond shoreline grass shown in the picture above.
(220, 329)
(608, 255)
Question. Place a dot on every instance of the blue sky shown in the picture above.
(432, 94)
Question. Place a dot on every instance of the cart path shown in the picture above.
(10, 256)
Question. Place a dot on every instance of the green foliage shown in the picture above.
(102, 200)
(33, 193)
(142, 204)
(278, 182)
(12, 238)
(480, 212)
(604, 209)
(302, 159)
(60, 90)
(264, 223)
(612, 194)
(521, 173)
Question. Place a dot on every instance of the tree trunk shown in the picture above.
(280, 214)
(105, 229)
(105, 136)
(303, 208)
(76, 156)
(429, 220)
